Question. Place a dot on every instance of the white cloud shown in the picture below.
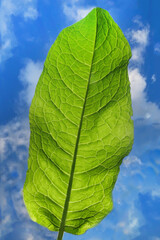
(133, 224)
(17, 198)
(75, 12)
(31, 13)
(31, 233)
(142, 107)
(131, 160)
(127, 220)
(8, 10)
(2, 147)
(29, 76)
(13, 135)
(138, 84)
(140, 36)
(14, 141)
(140, 39)
(157, 48)
(153, 78)
(30, 237)
(137, 20)
(6, 224)
(6, 220)
(155, 192)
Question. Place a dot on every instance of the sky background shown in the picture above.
(28, 28)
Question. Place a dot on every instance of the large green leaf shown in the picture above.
(81, 127)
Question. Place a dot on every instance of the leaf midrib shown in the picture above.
(65, 210)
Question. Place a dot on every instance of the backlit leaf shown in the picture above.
(81, 126)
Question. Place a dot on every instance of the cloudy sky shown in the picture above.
(28, 28)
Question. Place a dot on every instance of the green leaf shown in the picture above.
(81, 126)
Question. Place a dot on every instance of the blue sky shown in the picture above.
(28, 29)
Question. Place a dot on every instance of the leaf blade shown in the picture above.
(93, 84)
